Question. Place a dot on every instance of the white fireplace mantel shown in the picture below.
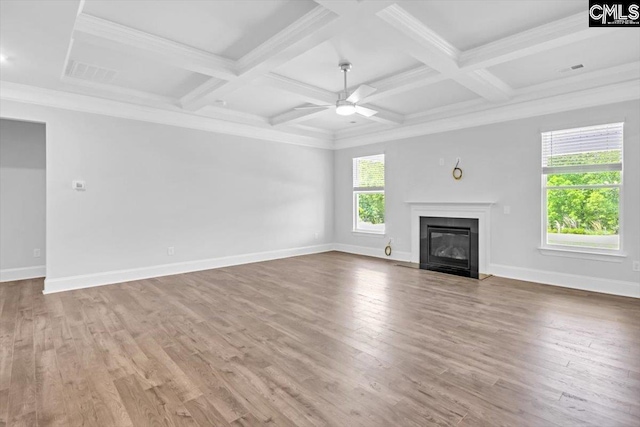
(474, 210)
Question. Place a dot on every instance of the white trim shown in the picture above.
(369, 233)
(11, 274)
(474, 210)
(519, 107)
(573, 281)
(574, 252)
(110, 277)
(373, 252)
(297, 38)
(88, 104)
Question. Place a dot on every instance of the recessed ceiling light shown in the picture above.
(3, 58)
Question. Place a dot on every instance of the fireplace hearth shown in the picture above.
(449, 245)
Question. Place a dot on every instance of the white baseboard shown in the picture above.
(374, 252)
(573, 281)
(11, 274)
(109, 277)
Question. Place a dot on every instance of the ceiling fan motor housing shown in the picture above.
(345, 66)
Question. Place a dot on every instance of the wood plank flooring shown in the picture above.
(321, 340)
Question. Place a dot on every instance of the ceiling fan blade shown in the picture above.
(312, 107)
(361, 93)
(364, 111)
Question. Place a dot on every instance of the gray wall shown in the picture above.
(502, 164)
(22, 194)
(152, 186)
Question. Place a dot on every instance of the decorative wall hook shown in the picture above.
(457, 172)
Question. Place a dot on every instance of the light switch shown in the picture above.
(507, 210)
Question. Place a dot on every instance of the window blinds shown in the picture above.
(368, 173)
(587, 149)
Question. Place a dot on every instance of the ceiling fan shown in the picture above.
(346, 104)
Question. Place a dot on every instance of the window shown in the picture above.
(582, 185)
(368, 194)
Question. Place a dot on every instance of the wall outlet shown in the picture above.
(507, 210)
(441, 161)
(171, 250)
(636, 265)
(78, 185)
(36, 253)
(316, 235)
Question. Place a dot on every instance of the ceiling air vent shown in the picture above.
(83, 71)
(572, 68)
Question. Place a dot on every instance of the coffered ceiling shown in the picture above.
(244, 66)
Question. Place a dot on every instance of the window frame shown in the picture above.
(366, 190)
(585, 252)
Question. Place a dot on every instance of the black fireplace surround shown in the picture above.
(449, 245)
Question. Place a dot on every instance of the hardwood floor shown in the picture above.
(319, 340)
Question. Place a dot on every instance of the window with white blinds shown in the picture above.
(593, 148)
(582, 187)
(368, 194)
(368, 173)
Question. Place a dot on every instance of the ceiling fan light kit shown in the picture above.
(345, 108)
(347, 104)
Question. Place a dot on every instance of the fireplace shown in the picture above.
(449, 245)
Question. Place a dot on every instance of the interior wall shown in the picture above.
(22, 199)
(150, 187)
(501, 164)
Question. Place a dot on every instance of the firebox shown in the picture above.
(449, 245)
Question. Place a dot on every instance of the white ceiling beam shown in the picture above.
(401, 82)
(94, 29)
(295, 116)
(540, 39)
(309, 93)
(404, 81)
(492, 113)
(430, 48)
(282, 47)
(171, 117)
(316, 95)
(316, 27)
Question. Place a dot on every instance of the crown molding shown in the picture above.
(88, 104)
(118, 92)
(168, 51)
(296, 116)
(517, 108)
(605, 76)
